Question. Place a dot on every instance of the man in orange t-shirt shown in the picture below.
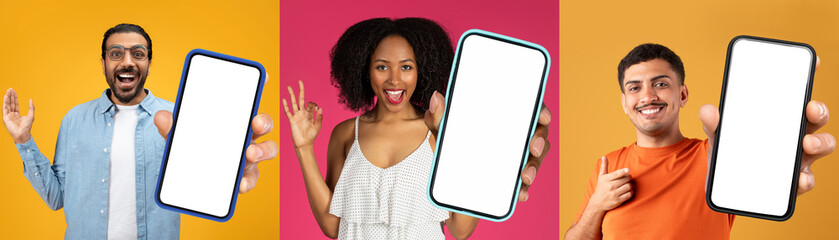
(655, 187)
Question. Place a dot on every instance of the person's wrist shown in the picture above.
(22, 139)
(303, 146)
(597, 206)
(303, 149)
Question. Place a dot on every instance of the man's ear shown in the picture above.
(103, 67)
(623, 103)
(684, 95)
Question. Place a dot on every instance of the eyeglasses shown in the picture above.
(117, 52)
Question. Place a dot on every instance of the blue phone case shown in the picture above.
(534, 123)
(242, 161)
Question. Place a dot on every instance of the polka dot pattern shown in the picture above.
(389, 203)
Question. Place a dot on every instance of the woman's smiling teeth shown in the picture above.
(395, 96)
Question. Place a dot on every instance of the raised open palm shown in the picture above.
(305, 119)
(18, 126)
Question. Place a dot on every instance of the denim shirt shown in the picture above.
(78, 178)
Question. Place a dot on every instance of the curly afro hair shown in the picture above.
(351, 59)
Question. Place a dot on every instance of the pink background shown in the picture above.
(309, 29)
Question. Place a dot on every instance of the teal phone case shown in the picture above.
(466, 210)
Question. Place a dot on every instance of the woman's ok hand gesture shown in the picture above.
(305, 119)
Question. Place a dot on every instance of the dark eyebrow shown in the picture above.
(137, 45)
(631, 82)
(653, 79)
(659, 77)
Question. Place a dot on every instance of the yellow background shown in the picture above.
(51, 53)
(595, 35)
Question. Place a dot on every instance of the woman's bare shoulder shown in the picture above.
(343, 133)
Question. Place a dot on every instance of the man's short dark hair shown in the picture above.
(649, 51)
(125, 28)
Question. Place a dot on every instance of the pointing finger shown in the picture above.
(623, 172)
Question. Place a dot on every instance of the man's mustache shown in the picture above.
(650, 104)
(127, 70)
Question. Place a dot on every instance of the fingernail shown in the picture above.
(530, 174)
(266, 127)
(546, 116)
(626, 170)
(243, 185)
(432, 106)
(822, 111)
(256, 151)
(815, 142)
(539, 146)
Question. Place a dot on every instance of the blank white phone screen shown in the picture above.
(209, 135)
(492, 104)
(763, 106)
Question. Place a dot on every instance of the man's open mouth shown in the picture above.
(126, 80)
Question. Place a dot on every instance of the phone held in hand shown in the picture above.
(757, 152)
(204, 156)
(493, 102)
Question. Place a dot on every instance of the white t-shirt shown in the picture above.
(122, 201)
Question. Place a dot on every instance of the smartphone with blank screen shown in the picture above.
(756, 155)
(205, 151)
(493, 101)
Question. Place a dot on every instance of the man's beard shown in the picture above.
(126, 96)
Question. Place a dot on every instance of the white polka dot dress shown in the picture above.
(389, 203)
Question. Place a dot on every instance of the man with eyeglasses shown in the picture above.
(108, 153)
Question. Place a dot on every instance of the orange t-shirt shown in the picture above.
(668, 199)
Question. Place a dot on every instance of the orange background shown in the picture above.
(594, 36)
(51, 53)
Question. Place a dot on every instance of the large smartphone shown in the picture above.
(757, 152)
(205, 151)
(493, 102)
